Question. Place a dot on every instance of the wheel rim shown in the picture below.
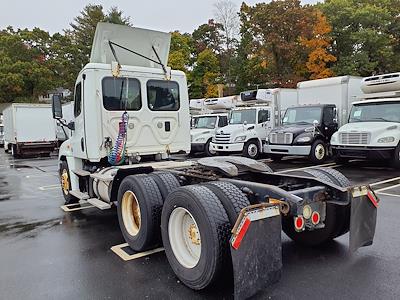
(320, 151)
(184, 237)
(252, 150)
(65, 181)
(212, 152)
(131, 213)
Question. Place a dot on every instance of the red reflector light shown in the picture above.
(315, 218)
(299, 223)
(373, 199)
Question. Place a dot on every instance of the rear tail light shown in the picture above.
(315, 218)
(299, 223)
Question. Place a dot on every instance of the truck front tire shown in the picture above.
(139, 211)
(251, 149)
(66, 184)
(195, 232)
(207, 149)
(318, 152)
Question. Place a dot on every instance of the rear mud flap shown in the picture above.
(363, 218)
(256, 250)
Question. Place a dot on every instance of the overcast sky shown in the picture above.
(55, 15)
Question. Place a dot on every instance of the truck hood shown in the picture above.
(234, 129)
(368, 126)
(292, 128)
(200, 131)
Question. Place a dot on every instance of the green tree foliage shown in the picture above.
(366, 35)
(181, 50)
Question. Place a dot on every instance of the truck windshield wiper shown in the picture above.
(382, 119)
(301, 122)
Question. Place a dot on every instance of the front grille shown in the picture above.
(280, 138)
(354, 138)
(222, 138)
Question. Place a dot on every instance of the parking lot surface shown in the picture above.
(48, 253)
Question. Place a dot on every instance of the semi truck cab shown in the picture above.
(203, 130)
(305, 131)
(373, 130)
(246, 132)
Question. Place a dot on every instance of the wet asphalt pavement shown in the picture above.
(47, 253)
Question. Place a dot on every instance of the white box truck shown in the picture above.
(306, 129)
(29, 129)
(373, 130)
(250, 124)
(207, 214)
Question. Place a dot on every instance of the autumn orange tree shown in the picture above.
(288, 42)
(318, 44)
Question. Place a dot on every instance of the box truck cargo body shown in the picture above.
(29, 129)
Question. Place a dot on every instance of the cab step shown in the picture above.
(79, 195)
(99, 204)
(81, 173)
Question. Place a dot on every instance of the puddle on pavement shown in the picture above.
(27, 229)
(4, 191)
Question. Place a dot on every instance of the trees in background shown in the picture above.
(272, 44)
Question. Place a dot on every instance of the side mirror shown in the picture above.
(315, 123)
(56, 107)
(71, 125)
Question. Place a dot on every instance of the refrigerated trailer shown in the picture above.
(208, 214)
(29, 129)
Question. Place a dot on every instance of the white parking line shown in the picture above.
(125, 256)
(330, 165)
(385, 181)
(49, 187)
(40, 175)
(387, 188)
(388, 194)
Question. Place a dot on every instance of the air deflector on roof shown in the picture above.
(141, 41)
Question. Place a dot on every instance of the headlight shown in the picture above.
(386, 139)
(200, 140)
(241, 138)
(303, 139)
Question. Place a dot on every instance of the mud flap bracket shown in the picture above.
(256, 249)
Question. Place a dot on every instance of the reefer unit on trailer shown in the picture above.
(29, 129)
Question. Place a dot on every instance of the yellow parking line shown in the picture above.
(118, 249)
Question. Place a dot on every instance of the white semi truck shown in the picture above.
(306, 129)
(250, 124)
(208, 214)
(29, 129)
(203, 131)
(373, 130)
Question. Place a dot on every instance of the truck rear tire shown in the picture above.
(195, 232)
(318, 152)
(166, 182)
(337, 216)
(14, 151)
(251, 149)
(66, 184)
(139, 212)
(231, 197)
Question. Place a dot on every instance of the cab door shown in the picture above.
(264, 123)
(78, 140)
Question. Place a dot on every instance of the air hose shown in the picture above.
(117, 155)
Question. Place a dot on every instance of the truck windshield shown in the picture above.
(205, 122)
(302, 115)
(241, 116)
(375, 112)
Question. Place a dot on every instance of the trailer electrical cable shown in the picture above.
(117, 155)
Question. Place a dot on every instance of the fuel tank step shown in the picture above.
(99, 204)
(79, 195)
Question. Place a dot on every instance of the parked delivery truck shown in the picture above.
(373, 130)
(29, 129)
(207, 214)
(306, 130)
(251, 122)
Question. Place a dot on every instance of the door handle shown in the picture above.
(82, 145)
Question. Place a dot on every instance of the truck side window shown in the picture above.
(163, 95)
(121, 94)
(263, 116)
(329, 115)
(78, 100)
(223, 121)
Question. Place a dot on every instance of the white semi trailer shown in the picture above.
(373, 130)
(209, 214)
(29, 129)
